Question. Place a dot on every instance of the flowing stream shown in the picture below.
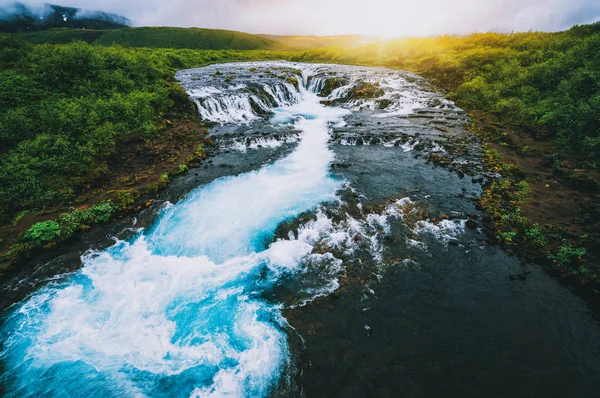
(339, 264)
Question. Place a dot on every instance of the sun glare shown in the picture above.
(381, 18)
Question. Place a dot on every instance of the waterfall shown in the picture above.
(243, 103)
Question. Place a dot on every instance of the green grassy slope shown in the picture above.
(309, 42)
(157, 37)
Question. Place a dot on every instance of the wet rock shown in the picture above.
(384, 104)
(472, 224)
(519, 277)
(332, 84)
(365, 90)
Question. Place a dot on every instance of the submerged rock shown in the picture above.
(471, 224)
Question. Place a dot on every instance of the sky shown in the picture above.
(333, 17)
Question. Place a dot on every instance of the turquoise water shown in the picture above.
(178, 310)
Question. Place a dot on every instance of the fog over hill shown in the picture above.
(20, 17)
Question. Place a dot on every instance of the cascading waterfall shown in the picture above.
(242, 107)
(179, 307)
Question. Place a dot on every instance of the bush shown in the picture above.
(64, 107)
(67, 224)
(536, 237)
(567, 256)
(42, 232)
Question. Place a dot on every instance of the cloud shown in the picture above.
(385, 17)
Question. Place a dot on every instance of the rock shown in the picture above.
(365, 90)
(384, 104)
(444, 216)
(518, 277)
(472, 224)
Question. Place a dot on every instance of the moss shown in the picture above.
(330, 85)
(294, 82)
(384, 104)
(365, 90)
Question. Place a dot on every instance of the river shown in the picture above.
(320, 253)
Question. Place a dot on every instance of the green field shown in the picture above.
(157, 37)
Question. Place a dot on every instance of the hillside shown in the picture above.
(308, 42)
(158, 37)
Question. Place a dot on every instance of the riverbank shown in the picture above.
(544, 208)
(531, 97)
(139, 170)
(89, 133)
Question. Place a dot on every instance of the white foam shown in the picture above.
(444, 231)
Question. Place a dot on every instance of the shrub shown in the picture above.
(567, 256)
(535, 237)
(42, 232)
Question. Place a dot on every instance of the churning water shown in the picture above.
(179, 307)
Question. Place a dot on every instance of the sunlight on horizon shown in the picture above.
(401, 17)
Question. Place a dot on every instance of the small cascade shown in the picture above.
(230, 108)
(243, 104)
(243, 99)
(316, 84)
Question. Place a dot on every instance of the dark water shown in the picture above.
(396, 296)
(455, 325)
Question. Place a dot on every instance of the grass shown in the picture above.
(157, 37)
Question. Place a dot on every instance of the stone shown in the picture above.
(472, 224)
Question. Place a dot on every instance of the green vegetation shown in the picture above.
(46, 234)
(67, 224)
(64, 108)
(567, 256)
(191, 38)
(502, 200)
(42, 232)
(300, 43)
(157, 37)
